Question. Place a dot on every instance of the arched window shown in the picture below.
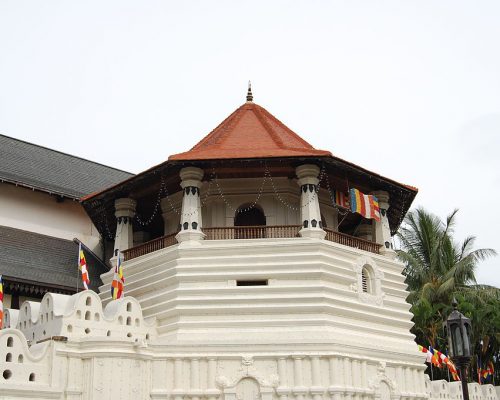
(366, 283)
(246, 216)
(252, 218)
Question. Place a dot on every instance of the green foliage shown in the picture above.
(437, 268)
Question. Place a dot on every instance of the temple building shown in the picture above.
(247, 277)
(42, 221)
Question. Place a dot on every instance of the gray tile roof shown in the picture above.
(38, 167)
(44, 259)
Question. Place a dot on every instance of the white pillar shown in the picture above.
(178, 389)
(347, 373)
(212, 391)
(310, 214)
(408, 380)
(297, 371)
(282, 389)
(335, 372)
(364, 382)
(195, 379)
(382, 228)
(315, 371)
(356, 374)
(124, 213)
(400, 379)
(191, 223)
(316, 389)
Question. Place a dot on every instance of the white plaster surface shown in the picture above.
(38, 212)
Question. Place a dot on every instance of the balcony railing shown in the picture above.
(352, 241)
(251, 232)
(149, 247)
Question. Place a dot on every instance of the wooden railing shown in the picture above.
(351, 241)
(251, 232)
(149, 247)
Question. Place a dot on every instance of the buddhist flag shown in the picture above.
(341, 199)
(1, 302)
(82, 266)
(364, 204)
(118, 280)
(487, 372)
(437, 358)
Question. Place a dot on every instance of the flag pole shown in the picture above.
(78, 269)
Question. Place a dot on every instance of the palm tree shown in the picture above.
(436, 266)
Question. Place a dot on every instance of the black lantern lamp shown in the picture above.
(458, 329)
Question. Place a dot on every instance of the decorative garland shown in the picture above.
(214, 179)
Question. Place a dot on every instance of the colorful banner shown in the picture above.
(436, 358)
(341, 199)
(82, 266)
(364, 204)
(118, 280)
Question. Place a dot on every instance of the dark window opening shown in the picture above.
(263, 282)
(252, 222)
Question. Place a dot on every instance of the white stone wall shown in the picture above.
(93, 365)
(38, 212)
(313, 293)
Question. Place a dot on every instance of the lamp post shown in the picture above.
(458, 329)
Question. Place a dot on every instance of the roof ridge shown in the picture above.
(296, 136)
(266, 126)
(230, 126)
(214, 134)
(66, 154)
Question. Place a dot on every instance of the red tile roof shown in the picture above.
(250, 132)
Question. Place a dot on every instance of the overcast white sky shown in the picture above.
(408, 89)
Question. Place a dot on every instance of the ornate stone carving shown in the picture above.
(247, 370)
(247, 361)
(222, 382)
(381, 376)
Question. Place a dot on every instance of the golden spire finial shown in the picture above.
(249, 92)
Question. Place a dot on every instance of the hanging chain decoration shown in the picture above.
(178, 211)
(283, 201)
(208, 193)
(156, 207)
(229, 205)
(172, 207)
(104, 222)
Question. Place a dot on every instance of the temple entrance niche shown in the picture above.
(384, 391)
(254, 221)
(248, 389)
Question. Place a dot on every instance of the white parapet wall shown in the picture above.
(79, 316)
(443, 390)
